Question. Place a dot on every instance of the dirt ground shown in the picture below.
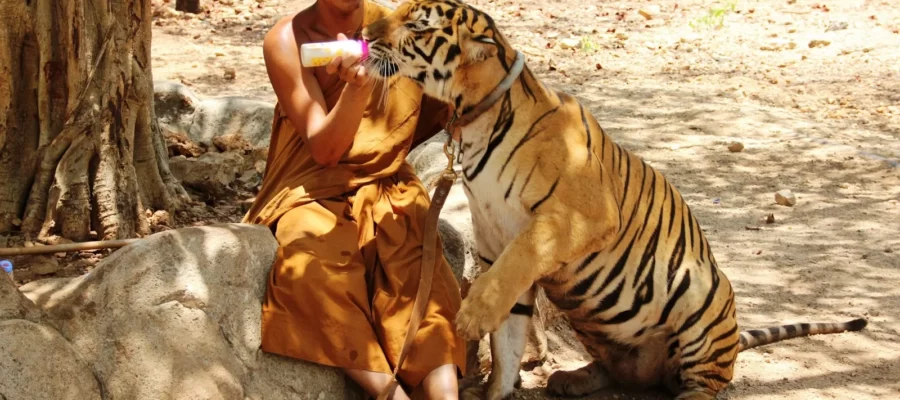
(810, 89)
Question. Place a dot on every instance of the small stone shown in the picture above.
(570, 43)
(818, 43)
(836, 26)
(621, 36)
(649, 11)
(230, 73)
(770, 219)
(785, 197)
(735, 147)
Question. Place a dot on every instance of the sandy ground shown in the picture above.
(822, 120)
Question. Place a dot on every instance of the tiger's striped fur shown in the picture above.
(556, 203)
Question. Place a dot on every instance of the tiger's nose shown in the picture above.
(374, 30)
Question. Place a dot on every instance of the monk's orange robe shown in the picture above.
(350, 237)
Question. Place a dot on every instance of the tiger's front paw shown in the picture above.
(483, 309)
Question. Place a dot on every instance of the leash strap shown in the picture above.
(429, 259)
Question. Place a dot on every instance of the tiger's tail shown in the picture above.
(758, 337)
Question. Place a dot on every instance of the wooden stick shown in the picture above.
(67, 247)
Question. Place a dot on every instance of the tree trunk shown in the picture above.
(191, 6)
(80, 149)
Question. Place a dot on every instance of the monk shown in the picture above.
(348, 213)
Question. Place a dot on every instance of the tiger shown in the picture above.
(557, 204)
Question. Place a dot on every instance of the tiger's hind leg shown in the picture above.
(585, 380)
(507, 349)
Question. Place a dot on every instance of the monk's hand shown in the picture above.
(348, 68)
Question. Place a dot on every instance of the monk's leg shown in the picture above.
(438, 352)
(441, 383)
(374, 382)
(317, 299)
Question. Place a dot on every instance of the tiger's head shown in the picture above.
(447, 46)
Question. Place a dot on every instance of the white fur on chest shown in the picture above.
(497, 218)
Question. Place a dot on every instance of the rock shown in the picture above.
(570, 43)
(230, 73)
(836, 26)
(818, 43)
(222, 116)
(176, 316)
(649, 11)
(785, 198)
(38, 363)
(179, 144)
(770, 219)
(174, 104)
(735, 147)
(40, 264)
(211, 173)
(14, 305)
(231, 142)
(250, 180)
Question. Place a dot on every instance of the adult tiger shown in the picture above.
(556, 203)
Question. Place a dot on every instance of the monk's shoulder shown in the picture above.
(289, 33)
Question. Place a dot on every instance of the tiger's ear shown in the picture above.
(479, 48)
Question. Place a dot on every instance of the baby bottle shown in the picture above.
(319, 54)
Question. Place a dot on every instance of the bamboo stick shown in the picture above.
(66, 247)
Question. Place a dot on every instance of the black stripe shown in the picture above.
(617, 269)
(547, 196)
(530, 134)
(429, 58)
(679, 291)
(715, 376)
(526, 88)
(522, 309)
(590, 258)
(512, 182)
(804, 328)
(790, 329)
(485, 260)
(452, 52)
(504, 122)
(649, 252)
(587, 131)
(528, 178)
(642, 296)
(757, 334)
(636, 204)
(609, 300)
(774, 331)
(581, 288)
(711, 358)
(722, 315)
(697, 315)
(673, 208)
(675, 259)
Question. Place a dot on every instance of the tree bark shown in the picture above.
(79, 145)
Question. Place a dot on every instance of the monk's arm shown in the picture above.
(328, 134)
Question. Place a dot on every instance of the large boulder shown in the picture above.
(177, 316)
(213, 123)
(38, 363)
(228, 116)
(174, 104)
